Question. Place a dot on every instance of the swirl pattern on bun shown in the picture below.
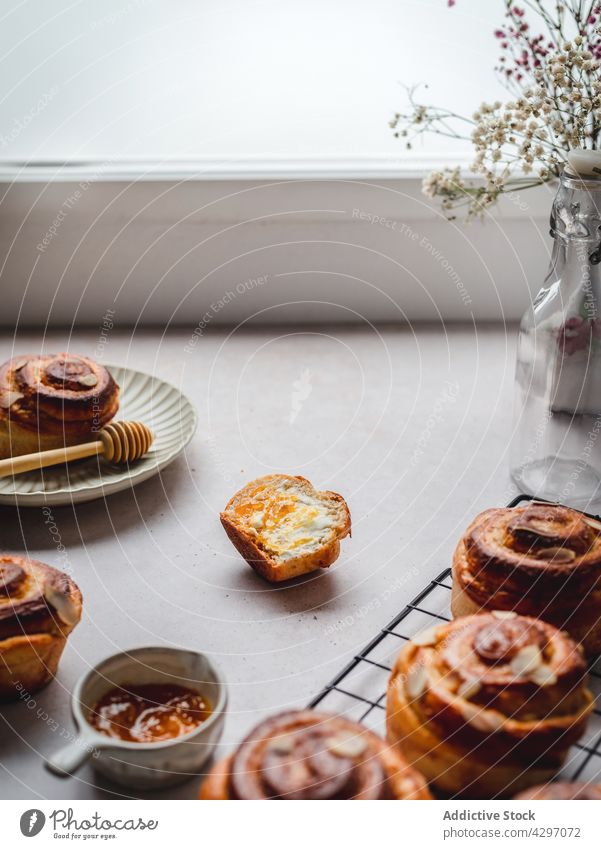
(39, 607)
(541, 560)
(303, 754)
(54, 400)
(488, 704)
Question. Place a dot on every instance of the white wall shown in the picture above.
(331, 250)
(191, 134)
(232, 78)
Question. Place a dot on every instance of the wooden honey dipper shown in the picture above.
(118, 442)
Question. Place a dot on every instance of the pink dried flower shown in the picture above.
(575, 334)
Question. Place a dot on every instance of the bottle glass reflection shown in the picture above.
(556, 449)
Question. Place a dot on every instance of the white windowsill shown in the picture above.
(405, 167)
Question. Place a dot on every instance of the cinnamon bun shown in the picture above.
(51, 401)
(39, 607)
(541, 560)
(487, 705)
(302, 754)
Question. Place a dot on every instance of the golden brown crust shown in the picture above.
(266, 563)
(54, 400)
(215, 787)
(542, 560)
(269, 568)
(39, 607)
(561, 790)
(488, 704)
(308, 755)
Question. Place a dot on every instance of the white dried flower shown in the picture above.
(556, 106)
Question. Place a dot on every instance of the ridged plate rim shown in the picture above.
(82, 492)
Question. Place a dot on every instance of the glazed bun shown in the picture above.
(52, 401)
(302, 754)
(541, 560)
(487, 705)
(39, 607)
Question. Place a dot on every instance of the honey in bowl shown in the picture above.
(149, 713)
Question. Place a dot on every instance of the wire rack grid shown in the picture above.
(359, 690)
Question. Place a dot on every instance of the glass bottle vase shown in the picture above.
(556, 446)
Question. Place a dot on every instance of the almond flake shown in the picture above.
(483, 720)
(283, 744)
(417, 680)
(593, 523)
(504, 614)
(467, 689)
(407, 787)
(543, 675)
(557, 554)
(427, 637)
(88, 380)
(524, 663)
(347, 745)
(67, 610)
(534, 527)
(9, 397)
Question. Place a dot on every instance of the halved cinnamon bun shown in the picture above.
(487, 705)
(302, 754)
(540, 560)
(51, 401)
(39, 607)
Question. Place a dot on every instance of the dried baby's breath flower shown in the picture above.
(555, 107)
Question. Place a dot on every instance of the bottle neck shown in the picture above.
(576, 213)
(583, 252)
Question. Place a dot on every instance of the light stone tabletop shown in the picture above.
(411, 425)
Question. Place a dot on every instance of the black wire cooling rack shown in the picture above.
(359, 690)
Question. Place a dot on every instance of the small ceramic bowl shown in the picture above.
(144, 765)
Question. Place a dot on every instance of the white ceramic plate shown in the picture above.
(143, 398)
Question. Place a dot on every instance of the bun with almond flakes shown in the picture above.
(541, 560)
(303, 754)
(488, 705)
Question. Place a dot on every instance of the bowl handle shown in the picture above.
(69, 759)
